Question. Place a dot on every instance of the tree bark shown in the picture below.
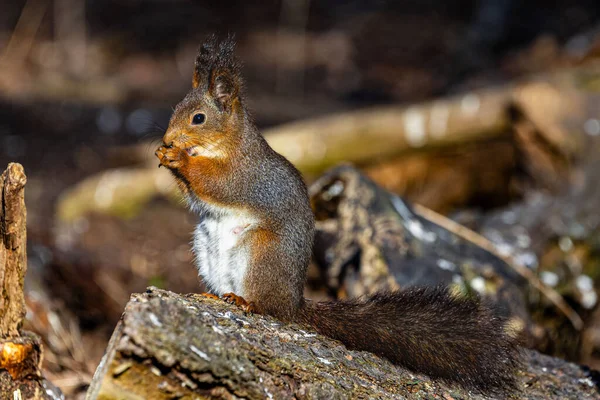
(20, 351)
(13, 256)
(170, 346)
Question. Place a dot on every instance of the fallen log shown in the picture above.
(379, 135)
(186, 346)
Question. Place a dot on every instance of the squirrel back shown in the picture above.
(254, 242)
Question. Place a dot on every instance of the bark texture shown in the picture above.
(20, 351)
(170, 346)
(13, 256)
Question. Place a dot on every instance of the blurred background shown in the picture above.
(87, 86)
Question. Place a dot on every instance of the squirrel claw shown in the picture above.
(249, 308)
(210, 296)
(169, 157)
(233, 298)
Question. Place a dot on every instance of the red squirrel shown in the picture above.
(254, 242)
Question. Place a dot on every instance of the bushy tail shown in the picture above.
(427, 330)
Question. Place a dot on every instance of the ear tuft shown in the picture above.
(204, 62)
(218, 71)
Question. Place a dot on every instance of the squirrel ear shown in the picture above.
(223, 89)
(218, 71)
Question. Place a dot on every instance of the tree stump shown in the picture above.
(20, 352)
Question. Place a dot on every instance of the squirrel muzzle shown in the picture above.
(170, 139)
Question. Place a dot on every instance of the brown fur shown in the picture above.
(274, 292)
(427, 330)
(225, 164)
(245, 174)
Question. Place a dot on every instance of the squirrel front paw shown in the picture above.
(170, 157)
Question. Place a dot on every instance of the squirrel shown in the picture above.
(253, 243)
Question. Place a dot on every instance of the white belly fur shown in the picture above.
(221, 261)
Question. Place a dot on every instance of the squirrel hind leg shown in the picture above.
(233, 298)
(239, 301)
(275, 277)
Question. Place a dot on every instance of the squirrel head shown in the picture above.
(211, 115)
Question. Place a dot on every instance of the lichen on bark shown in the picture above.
(171, 346)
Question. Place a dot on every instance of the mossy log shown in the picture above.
(170, 346)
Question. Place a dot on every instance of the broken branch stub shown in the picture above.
(13, 256)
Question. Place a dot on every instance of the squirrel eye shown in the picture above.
(198, 119)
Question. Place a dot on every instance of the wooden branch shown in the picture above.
(312, 145)
(381, 133)
(121, 192)
(172, 346)
(359, 136)
(13, 256)
(486, 244)
(20, 351)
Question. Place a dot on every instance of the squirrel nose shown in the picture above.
(169, 137)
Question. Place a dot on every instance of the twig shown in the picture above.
(477, 239)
